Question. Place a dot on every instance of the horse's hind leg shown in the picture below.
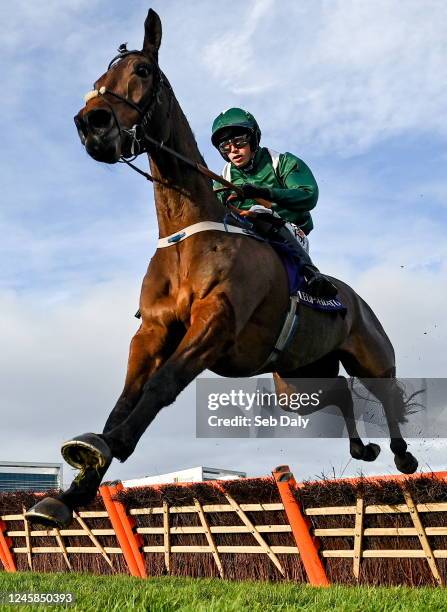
(336, 393)
(343, 399)
(390, 394)
(376, 370)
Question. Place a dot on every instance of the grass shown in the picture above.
(120, 593)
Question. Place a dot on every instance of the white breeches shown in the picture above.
(299, 235)
(296, 232)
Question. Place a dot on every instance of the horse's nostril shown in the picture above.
(99, 118)
(80, 125)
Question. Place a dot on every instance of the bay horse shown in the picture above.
(215, 300)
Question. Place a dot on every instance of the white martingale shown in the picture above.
(202, 226)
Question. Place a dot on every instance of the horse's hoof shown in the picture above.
(87, 450)
(50, 512)
(371, 452)
(364, 452)
(356, 449)
(407, 464)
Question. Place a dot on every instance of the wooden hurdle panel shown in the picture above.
(242, 525)
(358, 532)
(156, 536)
(25, 542)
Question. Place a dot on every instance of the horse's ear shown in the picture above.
(152, 32)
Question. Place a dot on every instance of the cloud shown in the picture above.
(343, 75)
(231, 58)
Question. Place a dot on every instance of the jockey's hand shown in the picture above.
(233, 197)
(252, 192)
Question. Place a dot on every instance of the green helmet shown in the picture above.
(235, 118)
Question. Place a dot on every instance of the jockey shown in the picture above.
(280, 178)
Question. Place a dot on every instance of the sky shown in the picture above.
(356, 88)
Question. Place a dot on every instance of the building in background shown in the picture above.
(25, 476)
(195, 474)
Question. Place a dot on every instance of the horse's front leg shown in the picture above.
(147, 354)
(212, 327)
(89, 452)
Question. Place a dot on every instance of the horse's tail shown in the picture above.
(391, 390)
(409, 403)
(374, 363)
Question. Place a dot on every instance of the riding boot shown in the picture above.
(318, 285)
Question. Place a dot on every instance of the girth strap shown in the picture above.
(285, 336)
(202, 226)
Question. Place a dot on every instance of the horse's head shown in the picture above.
(125, 96)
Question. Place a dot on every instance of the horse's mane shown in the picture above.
(183, 123)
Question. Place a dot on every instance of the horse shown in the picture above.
(215, 300)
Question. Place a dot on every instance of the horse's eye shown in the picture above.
(143, 70)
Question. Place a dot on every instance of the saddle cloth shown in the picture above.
(296, 281)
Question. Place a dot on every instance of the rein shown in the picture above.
(197, 166)
(145, 116)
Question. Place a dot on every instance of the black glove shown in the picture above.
(251, 192)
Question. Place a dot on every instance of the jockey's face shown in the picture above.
(240, 156)
(237, 148)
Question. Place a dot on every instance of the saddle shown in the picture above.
(271, 229)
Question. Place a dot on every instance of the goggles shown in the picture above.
(238, 142)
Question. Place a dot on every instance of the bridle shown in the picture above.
(141, 140)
